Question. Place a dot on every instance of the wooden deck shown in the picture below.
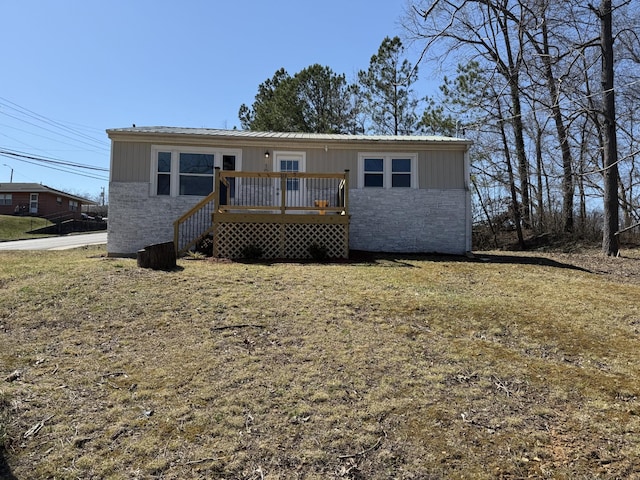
(280, 215)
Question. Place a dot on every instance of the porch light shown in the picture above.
(266, 154)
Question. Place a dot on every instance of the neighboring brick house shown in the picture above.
(39, 200)
(405, 193)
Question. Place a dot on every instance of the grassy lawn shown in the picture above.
(16, 228)
(406, 367)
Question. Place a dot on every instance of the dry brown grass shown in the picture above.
(414, 368)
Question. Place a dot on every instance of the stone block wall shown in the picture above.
(137, 219)
(396, 220)
(409, 220)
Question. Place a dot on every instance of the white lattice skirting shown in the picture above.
(281, 240)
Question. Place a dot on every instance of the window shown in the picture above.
(164, 173)
(374, 172)
(293, 184)
(387, 170)
(5, 199)
(59, 201)
(196, 174)
(184, 171)
(73, 205)
(401, 172)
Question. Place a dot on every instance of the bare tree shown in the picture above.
(610, 245)
(543, 49)
(484, 29)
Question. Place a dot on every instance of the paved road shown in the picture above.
(56, 243)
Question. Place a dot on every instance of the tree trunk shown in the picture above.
(539, 193)
(521, 155)
(160, 256)
(563, 135)
(517, 217)
(610, 244)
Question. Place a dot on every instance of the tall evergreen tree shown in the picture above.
(315, 100)
(386, 90)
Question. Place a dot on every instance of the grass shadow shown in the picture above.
(5, 471)
(524, 260)
(401, 260)
(397, 260)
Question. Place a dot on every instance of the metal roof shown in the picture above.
(253, 135)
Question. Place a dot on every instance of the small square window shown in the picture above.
(164, 162)
(164, 184)
(374, 172)
(401, 172)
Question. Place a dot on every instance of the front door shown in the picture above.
(33, 203)
(295, 187)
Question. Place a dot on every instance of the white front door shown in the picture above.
(295, 187)
(33, 203)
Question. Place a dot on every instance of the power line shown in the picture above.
(53, 131)
(54, 123)
(53, 164)
(18, 154)
(41, 136)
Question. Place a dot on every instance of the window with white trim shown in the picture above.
(387, 170)
(6, 198)
(73, 206)
(183, 171)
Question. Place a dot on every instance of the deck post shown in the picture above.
(346, 191)
(216, 186)
(216, 206)
(283, 193)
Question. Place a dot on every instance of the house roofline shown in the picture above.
(12, 187)
(204, 135)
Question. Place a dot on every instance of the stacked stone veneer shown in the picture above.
(409, 220)
(137, 219)
(402, 220)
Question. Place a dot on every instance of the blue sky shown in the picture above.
(73, 68)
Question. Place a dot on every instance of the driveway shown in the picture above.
(56, 243)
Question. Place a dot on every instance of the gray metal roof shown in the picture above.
(246, 134)
(10, 187)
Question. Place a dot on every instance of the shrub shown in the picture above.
(251, 252)
(318, 252)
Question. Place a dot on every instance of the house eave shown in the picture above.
(200, 136)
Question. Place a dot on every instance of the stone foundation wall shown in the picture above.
(137, 219)
(409, 220)
(397, 220)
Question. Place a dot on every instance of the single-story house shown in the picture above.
(39, 200)
(403, 194)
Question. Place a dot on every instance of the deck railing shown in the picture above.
(263, 193)
(282, 192)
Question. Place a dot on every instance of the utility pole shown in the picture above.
(10, 178)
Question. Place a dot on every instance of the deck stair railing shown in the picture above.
(195, 225)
